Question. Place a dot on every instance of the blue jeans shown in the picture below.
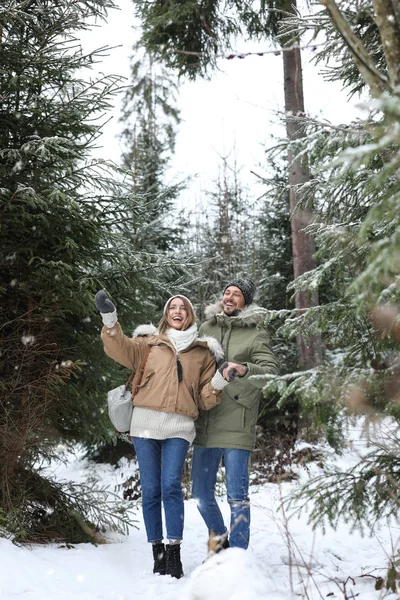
(204, 477)
(161, 465)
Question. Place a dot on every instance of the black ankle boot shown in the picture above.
(159, 558)
(173, 565)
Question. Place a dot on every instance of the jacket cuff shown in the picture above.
(218, 381)
(245, 364)
(109, 319)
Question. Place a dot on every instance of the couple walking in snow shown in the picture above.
(187, 395)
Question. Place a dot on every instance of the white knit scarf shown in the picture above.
(182, 339)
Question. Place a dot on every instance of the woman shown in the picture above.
(179, 377)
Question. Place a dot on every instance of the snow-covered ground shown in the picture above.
(286, 559)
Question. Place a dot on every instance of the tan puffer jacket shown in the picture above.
(160, 388)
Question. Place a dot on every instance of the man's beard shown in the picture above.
(234, 313)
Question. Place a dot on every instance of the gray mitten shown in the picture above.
(106, 308)
(103, 304)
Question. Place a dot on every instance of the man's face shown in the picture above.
(233, 300)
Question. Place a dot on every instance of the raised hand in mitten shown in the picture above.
(103, 304)
(106, 308)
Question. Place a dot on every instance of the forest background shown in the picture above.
(322, 241)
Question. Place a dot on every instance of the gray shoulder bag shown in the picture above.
(120, 399)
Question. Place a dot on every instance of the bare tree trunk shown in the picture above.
(302, 243)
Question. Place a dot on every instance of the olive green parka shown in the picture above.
(232, 423)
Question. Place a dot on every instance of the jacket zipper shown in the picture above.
(179, 368)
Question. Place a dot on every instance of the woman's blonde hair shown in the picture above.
(188, 322)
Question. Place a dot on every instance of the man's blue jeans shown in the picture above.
(161, 465)
(204, 477)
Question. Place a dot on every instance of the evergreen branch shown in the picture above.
(362, 495)
(375, 80)
(346, 129)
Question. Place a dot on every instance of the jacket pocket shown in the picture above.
(228, 416)
(247, 396)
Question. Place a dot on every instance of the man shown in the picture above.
(228, 430)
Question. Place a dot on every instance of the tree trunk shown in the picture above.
(388, 22)
(309, 352)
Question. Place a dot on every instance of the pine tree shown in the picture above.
(223, 237)
(65, 232)
(149, 118)
(357, 185)
(357, 190)
(189, 36)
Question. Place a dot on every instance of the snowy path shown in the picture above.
(122, 569)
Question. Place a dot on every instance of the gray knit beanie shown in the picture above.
(246, 286)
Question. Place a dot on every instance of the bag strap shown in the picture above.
(139, 373)
(131, 376)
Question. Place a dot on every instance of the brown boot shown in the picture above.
(216, 543)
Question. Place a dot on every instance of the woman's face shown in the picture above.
(176, 313)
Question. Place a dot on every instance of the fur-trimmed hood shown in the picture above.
(142, 330)
(213, 345)
(248, 317)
